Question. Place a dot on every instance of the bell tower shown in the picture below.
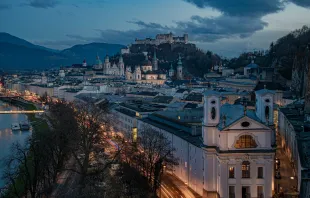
(211, 117)
(264, 105)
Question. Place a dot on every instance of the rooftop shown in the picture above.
(140, 106)
(234, 113)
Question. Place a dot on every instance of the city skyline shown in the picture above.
(224, 27)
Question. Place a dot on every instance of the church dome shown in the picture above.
(98, 61)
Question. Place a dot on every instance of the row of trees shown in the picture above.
(32, 169)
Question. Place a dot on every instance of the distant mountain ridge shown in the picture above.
(16, 53)
(8, 38)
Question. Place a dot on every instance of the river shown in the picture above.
(7, 136)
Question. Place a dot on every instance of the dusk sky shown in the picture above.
(227, 27)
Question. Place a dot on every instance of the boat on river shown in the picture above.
(24, 126)
(15, 127)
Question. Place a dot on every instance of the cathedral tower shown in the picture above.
(107, 65)
(121, 66)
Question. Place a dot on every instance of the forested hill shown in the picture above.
(195, 61)
(281, 53)
(284, 50)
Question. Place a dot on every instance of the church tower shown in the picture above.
(121, 66)
(137, 73)
(211, 118)
(107, 65)
(264, 105)
(84, 64)
(180, 69)
(155, 62)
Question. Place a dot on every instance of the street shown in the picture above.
(287, 181)
(172, 187)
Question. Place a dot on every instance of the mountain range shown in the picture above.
(17, 53)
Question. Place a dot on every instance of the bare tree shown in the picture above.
(92, 122)
(151, 154)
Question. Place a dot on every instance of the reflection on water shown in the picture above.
(7, 136)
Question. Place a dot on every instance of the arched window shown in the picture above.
(213, 113)
(245, 169)
(245, 141)
(267, 113)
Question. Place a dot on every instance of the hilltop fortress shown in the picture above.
(163, 38)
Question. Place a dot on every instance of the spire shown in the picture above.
(179, 61)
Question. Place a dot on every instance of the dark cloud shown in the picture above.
(203, 29)
(215, 28)
(302, 3)
(254, 8)
(4, 6)
(43, 3)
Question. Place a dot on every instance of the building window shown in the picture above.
(231, 172)
(231, 191)
(213, 113)
(245, 141)
(260, 191)
(245, 169)
(260, 172)
(267, 113)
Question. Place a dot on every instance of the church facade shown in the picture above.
(108, 68)
(234, 154)
(147, 73)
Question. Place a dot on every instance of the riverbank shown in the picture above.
(39, 125)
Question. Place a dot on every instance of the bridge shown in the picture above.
(21, 111)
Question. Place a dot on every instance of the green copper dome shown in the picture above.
(98, 61)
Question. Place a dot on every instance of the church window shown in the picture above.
(267, 112)
(231, 172)
(267, 100)
(245, 141)
(213, 113)
(213, 102)
(245, 124)
(245, 169)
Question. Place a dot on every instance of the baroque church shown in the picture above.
(108, 68)
(238, 147)
(147, 73)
